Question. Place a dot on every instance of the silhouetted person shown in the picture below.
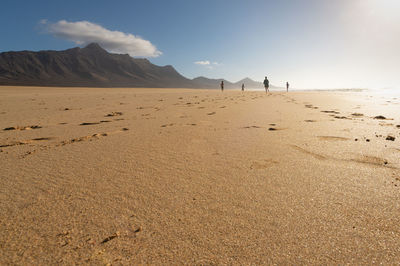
(222, 85)
(243, 87)
(266, 85)
(287, 86)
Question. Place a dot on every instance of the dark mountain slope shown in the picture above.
(93, 66)
(90, 66)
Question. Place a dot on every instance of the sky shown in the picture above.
(310, 43)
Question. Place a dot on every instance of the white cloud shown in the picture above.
(207, 64)
(203, 63)
(85, 32)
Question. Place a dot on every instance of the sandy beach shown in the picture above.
(198, 177)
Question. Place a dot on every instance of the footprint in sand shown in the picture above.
(252, 127)
(22, 128)
(385, 124)
(79, 139)
(381, 117)
(313, 154)
(17, 143)
(332, 138)
(42, 138)
(212, 113)
(167, 125)
(330, 112)
(90, 137)
(372, 160)
(357, 114)
(263, 164)
(341, 117)
(89, 123)
(114, 114)
(310, 120)
(275, 129)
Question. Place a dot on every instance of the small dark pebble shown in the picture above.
(271, 129)
(391, 138)
(125, 129)
(108, 239)
(367, 140)
(379, 117)
(355, 139)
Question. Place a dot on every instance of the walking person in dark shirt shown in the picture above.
(266, 85)
(242, 86)
(287, 86)
(222, 85)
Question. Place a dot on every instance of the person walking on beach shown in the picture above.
(266, 85)
(242, 86)
(287, 86)
(222, 85)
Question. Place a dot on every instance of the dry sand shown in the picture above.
(173, 176)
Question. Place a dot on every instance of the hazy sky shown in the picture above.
(310, 43)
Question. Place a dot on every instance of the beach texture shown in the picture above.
(200, 177)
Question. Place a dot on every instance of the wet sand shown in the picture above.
(174, 176)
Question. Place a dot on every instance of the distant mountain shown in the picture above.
(203, 82)
(92, 66)
(206, 83)
(249, 83)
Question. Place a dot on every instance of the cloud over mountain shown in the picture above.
(85, 32)
(207, 64)
(203, 63)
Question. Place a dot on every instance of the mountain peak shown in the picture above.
(246, 79)
(94, 47)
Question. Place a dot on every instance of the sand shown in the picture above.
(175, 176)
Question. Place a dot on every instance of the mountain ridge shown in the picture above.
(93, 66)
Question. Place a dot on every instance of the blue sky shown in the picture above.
(310, 43)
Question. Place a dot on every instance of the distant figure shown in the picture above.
(266, 85)
(242, 86)
(222, 85)
(287, 86)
